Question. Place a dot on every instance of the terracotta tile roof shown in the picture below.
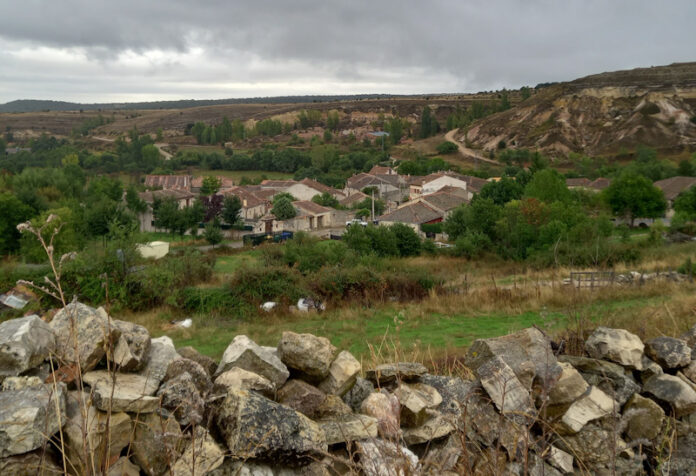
(169, 182)
(352, 199)
(311, 207)
(151, 195)
(455, 191)
(599, 183)
(474, 184)
(415, 213)
(278, 183)
(578, 182)
(673, 186)
(225, 182)
(380, 170)
(362, 180)
(444, 201)
(249, 198)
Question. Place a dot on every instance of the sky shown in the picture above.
(127, 50)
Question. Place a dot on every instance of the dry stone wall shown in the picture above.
(88, 394)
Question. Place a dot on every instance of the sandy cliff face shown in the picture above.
(601, 114)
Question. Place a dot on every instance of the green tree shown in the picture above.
(210, 185)
(685, 203)
(332, 120)
(502, 191)
(395, 127)
(213, 233)
(325, 200)
(525, 92)
(283, 209)
(283, 196)
(231, 210)
(548, 186)
(407, 241)
(133, 201)
(686, 168)
(446, 147)
(12, 213)
(634, 196)
(429, 125)
(481, 216)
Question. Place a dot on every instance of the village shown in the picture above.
(411, 200)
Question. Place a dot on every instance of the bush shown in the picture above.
(216, 301)
(273, 283)
(447, 147)
(471, 244)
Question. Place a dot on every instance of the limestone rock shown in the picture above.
(161, 355)
(201, 455)
(594, 404)
(384, 458)
(157, 443)
(246, 354)
(690, 371)
(240, 379)
(181, 397)
(132, 347)
(668, 352)
(362, 389)
(123, 467)
(19, 383)
(351, 427)
(192, 354)
(448, 457)
(83, 334)
(435, 427)
(242, 468)
(570, 387)
(124, 393)
(617, 345)
(613, 379)
(590, 446)
(309, 354)
(672, 390)
(454, 391)
(342, 374)
(24, 344)
(690, 337)
(332, 406)
(650, 368)
(505, 390)
(29, 417)
(385, 408)
(30, 464)
(198, 374)
(389, 373)
(255, 427)
(644, 417)
(415, 399)
(528, 353)
(81, 417)
(301, 396)
(560, 460)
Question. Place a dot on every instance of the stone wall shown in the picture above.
(95, 395)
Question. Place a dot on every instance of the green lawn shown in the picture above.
(231, 263)
(399, 324)
(237, 175)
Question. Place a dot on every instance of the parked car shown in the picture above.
(356, 221)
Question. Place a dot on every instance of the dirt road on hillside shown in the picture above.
(466, 152)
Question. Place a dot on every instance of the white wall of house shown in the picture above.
(302, 192)
(440, 182)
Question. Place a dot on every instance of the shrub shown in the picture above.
(272, 283)
(447, 147)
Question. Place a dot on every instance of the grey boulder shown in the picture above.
(668, 352)
(24, 344)
(248, 355)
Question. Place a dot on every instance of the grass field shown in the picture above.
(237, 175)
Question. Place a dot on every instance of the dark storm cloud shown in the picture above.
(220, 48)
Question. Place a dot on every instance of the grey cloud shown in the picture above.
(406, 45)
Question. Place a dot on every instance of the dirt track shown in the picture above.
(466, 152)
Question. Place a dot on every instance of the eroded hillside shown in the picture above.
(601, 114)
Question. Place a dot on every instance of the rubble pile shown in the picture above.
(93, 395)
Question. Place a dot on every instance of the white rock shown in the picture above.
(248, 355)
(24, 344)
(616, 345)
(591, 406)
(343, 372)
